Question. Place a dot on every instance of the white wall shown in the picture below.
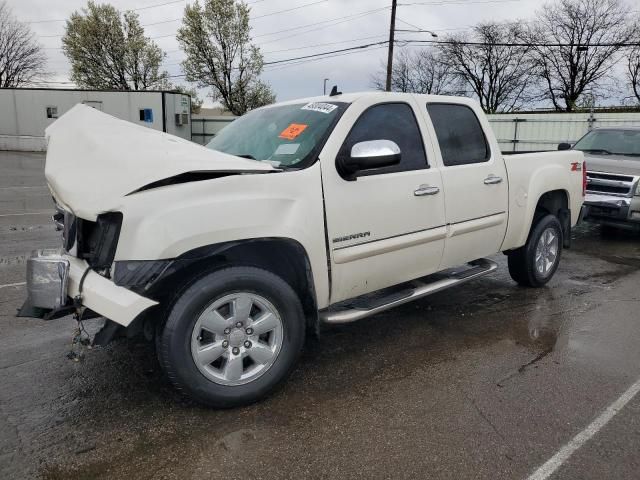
(544, 131)
(23, 112)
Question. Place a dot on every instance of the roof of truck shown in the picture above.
(382, 96)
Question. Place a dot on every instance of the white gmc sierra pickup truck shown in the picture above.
(322, 210)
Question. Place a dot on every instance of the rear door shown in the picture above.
(387, 225)
(475, 183)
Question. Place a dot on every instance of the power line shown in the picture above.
(342, 19)
(130, 9)
(294, 64)
(301, 48)
(322, 44)
(454, 2)
(290, 9)
(266, 15)
(298, 48)
(466, 43)
(336, 21)
(163, 21)
(532, 44)
(158, 5)
(407, 23)
(276, 62)
(358, 47)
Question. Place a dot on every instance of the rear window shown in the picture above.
(459, 133)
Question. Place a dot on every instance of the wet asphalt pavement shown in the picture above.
(487, 380)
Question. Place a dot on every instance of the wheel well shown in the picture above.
(284, 257)
(555, 202)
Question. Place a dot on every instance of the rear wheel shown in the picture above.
(232, 337)
(535, 263)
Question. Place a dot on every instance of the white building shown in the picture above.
(26, 112)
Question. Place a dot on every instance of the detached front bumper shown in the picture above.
(53, 280)
(612, 210)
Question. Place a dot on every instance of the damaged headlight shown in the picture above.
(97, 241)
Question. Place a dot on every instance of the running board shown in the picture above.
(366, 306)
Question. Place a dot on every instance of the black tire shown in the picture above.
(174, 342)
(521, 261)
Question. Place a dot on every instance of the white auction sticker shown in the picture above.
(320, 107)
(287, 149)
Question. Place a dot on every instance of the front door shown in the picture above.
(386, 225)
(475, 182)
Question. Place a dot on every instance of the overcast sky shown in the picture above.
(346, 24)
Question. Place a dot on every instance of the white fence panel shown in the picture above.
(203, 129)
(524, 132)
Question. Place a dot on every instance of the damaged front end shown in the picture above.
(76, 278)
(99, 169)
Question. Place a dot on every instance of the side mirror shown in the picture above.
(371, 154)
(564, 146)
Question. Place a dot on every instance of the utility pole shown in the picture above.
(324, 89)
(392, 31)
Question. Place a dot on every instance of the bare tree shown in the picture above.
(580, 42)
(633, 71)
(215, 39)
(21, 58)
(108, 50)
(420, 71)
(493, 63)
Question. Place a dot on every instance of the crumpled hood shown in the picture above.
(613, 164)
(94, 160)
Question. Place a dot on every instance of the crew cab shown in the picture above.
(321, 210)
(613, 178)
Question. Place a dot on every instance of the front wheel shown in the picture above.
(232, 337)
(534, 264)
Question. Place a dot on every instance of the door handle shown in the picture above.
(423, 190)
(492, 180)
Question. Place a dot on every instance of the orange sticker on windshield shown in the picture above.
(292, 131)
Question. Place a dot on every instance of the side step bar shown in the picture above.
(357, 310)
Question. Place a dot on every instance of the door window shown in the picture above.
(459, 133)
(390, 121)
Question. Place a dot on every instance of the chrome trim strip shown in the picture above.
(388, 238)
(377, 247)
(476, 224)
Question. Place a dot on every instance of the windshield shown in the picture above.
(282, 135)
(611, 142)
